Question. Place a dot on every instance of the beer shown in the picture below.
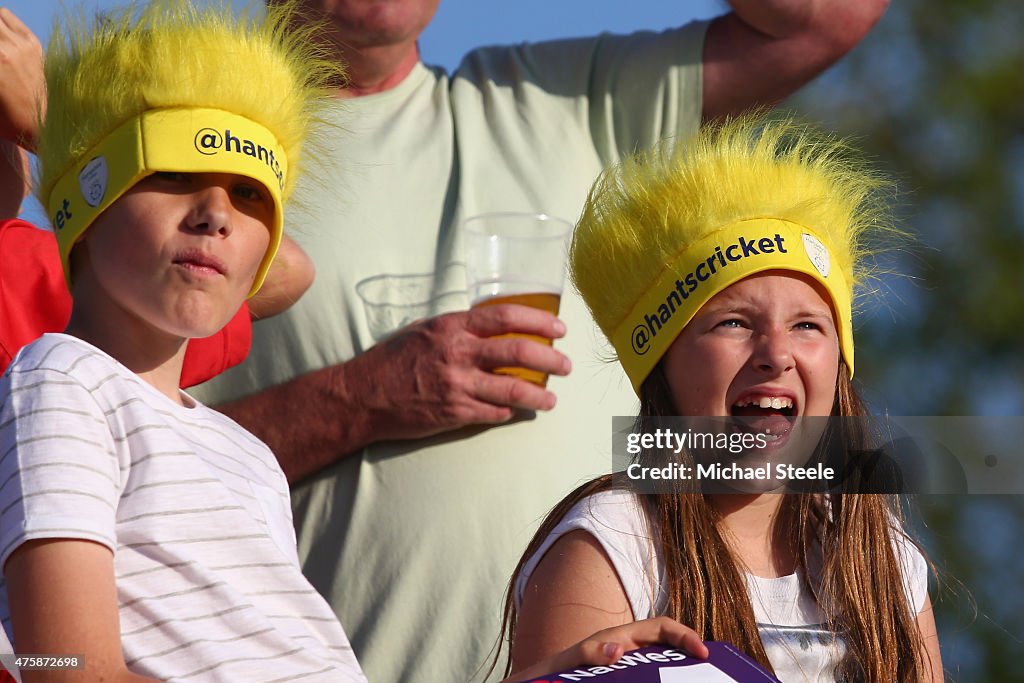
(545, 301)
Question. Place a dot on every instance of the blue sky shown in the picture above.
(461, 25)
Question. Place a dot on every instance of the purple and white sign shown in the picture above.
(661, 664)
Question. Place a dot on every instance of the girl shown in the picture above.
(722, 271)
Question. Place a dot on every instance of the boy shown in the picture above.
(138, 528)
(34, 300)
(33, 296)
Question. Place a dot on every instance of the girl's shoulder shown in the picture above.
(615, 518)
(913, 566)
(615, 510)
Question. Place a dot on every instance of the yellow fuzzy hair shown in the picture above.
(643, 213)
(169, 53)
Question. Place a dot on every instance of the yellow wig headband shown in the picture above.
(171, 87)
(666, 230)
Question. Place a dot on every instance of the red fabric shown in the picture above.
(34, 300)
(208, 357)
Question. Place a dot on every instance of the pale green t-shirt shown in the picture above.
(413, 543)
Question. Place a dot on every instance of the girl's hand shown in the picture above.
(607, 646)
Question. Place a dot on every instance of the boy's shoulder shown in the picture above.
(64, 369)
(58, 352)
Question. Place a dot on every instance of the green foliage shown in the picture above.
(936, 96)
(936, 93)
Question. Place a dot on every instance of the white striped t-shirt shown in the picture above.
(195, 509)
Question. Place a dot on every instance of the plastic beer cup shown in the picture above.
(517, 258)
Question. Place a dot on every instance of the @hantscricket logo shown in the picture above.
(92, 181)
(209, 141)
(817, 253)
(641, 339)
(676, 293)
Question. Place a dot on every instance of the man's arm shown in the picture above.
(764, 50)
(291, 274)
(21, 89)
(14, 182)
(432, 376)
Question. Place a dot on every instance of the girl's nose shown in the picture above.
(774, 352)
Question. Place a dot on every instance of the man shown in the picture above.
(422, 474)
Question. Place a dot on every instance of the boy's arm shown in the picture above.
(63, 601)
(291, 274)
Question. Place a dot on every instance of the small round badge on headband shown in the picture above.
(92, 181)
(817, 253)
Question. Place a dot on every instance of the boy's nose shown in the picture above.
(211, 210)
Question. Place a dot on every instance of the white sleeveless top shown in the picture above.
(791, 624)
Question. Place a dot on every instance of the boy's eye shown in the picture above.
(731, 322)
(248, 192)
(173, 176)
(808, 325)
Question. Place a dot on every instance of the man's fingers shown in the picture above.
(490, 321)
(522, 352)
(503, 390)
(10, 21)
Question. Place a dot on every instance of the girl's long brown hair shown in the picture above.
(848, 550)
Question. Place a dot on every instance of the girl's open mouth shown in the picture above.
(771, 415)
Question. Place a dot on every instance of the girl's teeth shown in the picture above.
(768, 402)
